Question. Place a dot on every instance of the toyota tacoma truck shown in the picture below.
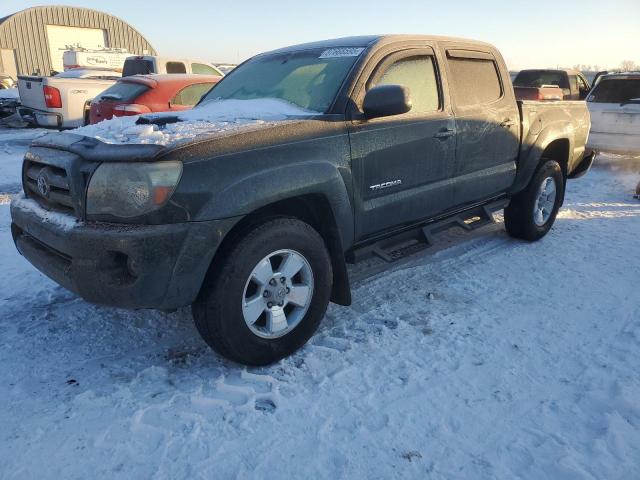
(249, 207)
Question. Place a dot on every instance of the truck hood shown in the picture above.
(210, 120)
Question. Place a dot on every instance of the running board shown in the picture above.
(419, 238)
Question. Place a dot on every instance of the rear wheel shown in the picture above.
(268, 295)
(532, 212)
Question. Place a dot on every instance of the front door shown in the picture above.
(487, 126)
(402, 165)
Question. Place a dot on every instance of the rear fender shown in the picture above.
(530, 158)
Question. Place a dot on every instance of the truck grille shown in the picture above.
(47, 184)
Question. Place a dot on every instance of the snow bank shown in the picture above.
(213, 117)
(9, 93)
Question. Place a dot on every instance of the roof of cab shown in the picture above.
(366, 41)
(153, 80)
(621, 75)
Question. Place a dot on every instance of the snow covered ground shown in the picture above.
(490, 359)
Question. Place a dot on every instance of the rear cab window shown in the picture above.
(176, 67)
(123, 92)
(616, 90)
(137, 66)
(475, 78)
(540, 78)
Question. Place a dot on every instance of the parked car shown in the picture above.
(60, 101)
(147, 64)
(377, 142)
(150, 93)
(614, 104)
(574, 85)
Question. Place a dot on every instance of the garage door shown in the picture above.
(60, 36)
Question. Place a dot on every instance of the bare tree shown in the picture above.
(628, 66)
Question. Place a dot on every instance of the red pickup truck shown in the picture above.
(150, 93)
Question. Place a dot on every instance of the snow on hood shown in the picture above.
(212, 117)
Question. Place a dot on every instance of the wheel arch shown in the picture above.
(313, 209)
(548, 146)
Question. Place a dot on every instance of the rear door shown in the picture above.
(487, 124)
(402, 165)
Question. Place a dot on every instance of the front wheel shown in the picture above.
(267, 296)
(532, 212)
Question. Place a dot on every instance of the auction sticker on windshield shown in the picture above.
(341, 52)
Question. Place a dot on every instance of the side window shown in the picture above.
(191, 95)
(419, 75)
(475, 81)
(176, 67)
(203, 69)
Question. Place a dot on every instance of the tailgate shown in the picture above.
(613, 118)
(75, 93)
(31, 94)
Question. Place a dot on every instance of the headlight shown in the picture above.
(129, 190)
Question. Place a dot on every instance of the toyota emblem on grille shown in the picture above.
(43, 184)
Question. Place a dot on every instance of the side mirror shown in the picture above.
(387, 100)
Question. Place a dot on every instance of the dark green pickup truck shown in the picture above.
(383, 138)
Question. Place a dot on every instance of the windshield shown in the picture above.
(309, 79)
(538, 78)
(611, 90)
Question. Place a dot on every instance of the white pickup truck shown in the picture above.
(60, 101)
(614, 104)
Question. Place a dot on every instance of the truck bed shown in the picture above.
(540, 117)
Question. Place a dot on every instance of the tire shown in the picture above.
(237, 284)
(523, 218)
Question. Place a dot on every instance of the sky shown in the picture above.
(538, 34)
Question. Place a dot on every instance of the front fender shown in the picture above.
(249, 193)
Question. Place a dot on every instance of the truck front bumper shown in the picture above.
(127, 266)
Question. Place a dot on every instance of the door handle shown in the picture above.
(444, 134)
(507, 123)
